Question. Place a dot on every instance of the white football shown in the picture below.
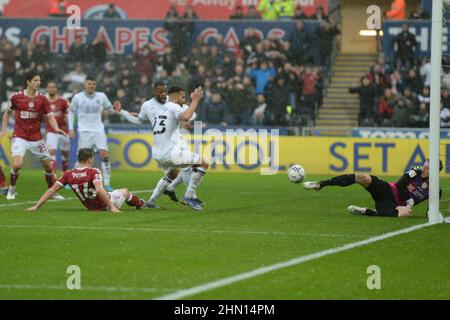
(446, 4)
(296, 173)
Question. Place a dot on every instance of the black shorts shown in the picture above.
(381, 193)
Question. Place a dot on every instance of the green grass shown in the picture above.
(250, 221)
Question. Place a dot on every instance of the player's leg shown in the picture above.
(18, 150)
(4, 189)
(186, 179)
(344, 180)
(65, 152)
(52, 145)
(40, 151)
(170, 174)
(101, 144)
(132, 200)
(170, 191)
(198, 172)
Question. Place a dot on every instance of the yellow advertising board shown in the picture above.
(269, 155)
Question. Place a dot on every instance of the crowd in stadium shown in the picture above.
(270, 82)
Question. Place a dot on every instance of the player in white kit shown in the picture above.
(169, 148)
(88, 107)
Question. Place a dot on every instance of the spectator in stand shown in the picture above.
(215, 111)
(405, 46)
(445, 98)
(242, 102)
(424, 97)
(58, 8)
(397, 82)
(41, 53)
(421, 118)
(261, 75)
(260, 115)
(378, 78)
(410, 99)
(268, 9)
(238, 14)
(414, 82)
(96, 52)
(77, 51)
(386, 110)
(445, 116)
(367, 93)
(402, 114)
(397, 10)
(278, 101)
(8, 56)
(308, 82)
(172, 13)
(320, 15)
(285, 9)
(179, 35)
(145, 61)
(299, 40)
(111, 12)
(324, 36)
(425, 71)
(252, 13)
(190, 13)
(299, 14)
(419, 14)
(75, 79)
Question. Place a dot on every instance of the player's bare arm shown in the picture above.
(46, 196)
(5, 120)
(54, 124)
(103, 195)
(196, 96)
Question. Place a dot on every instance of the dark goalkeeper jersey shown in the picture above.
(411, 186)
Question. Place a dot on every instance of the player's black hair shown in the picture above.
(52, 81)
(85, 154)
(30, 75)
(159, 84)
(90, 78)
(175, 89)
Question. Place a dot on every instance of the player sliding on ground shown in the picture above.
(169, 148)
(392, 199)
(86, 182)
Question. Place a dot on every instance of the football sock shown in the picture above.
(50, 179)
(162, 185)
(134, 201)
(196, 178)
(370, 212)
(13, 178)
(342, 181)
(187, 176)
(175, 182)
(2, 178)
(106, 170)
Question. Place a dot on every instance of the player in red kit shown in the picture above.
(30, 108)
(86, 182)
(58, 107)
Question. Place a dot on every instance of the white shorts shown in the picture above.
(38, 148)
(117, 198)
(57, 141)
(179, 157)
(92, 140)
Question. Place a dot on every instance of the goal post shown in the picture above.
(434, 215)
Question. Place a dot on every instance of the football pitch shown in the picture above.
(260, 237)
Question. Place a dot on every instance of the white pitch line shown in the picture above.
(296, 261)
(60, 287)
(15, 204)
(325, 235)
